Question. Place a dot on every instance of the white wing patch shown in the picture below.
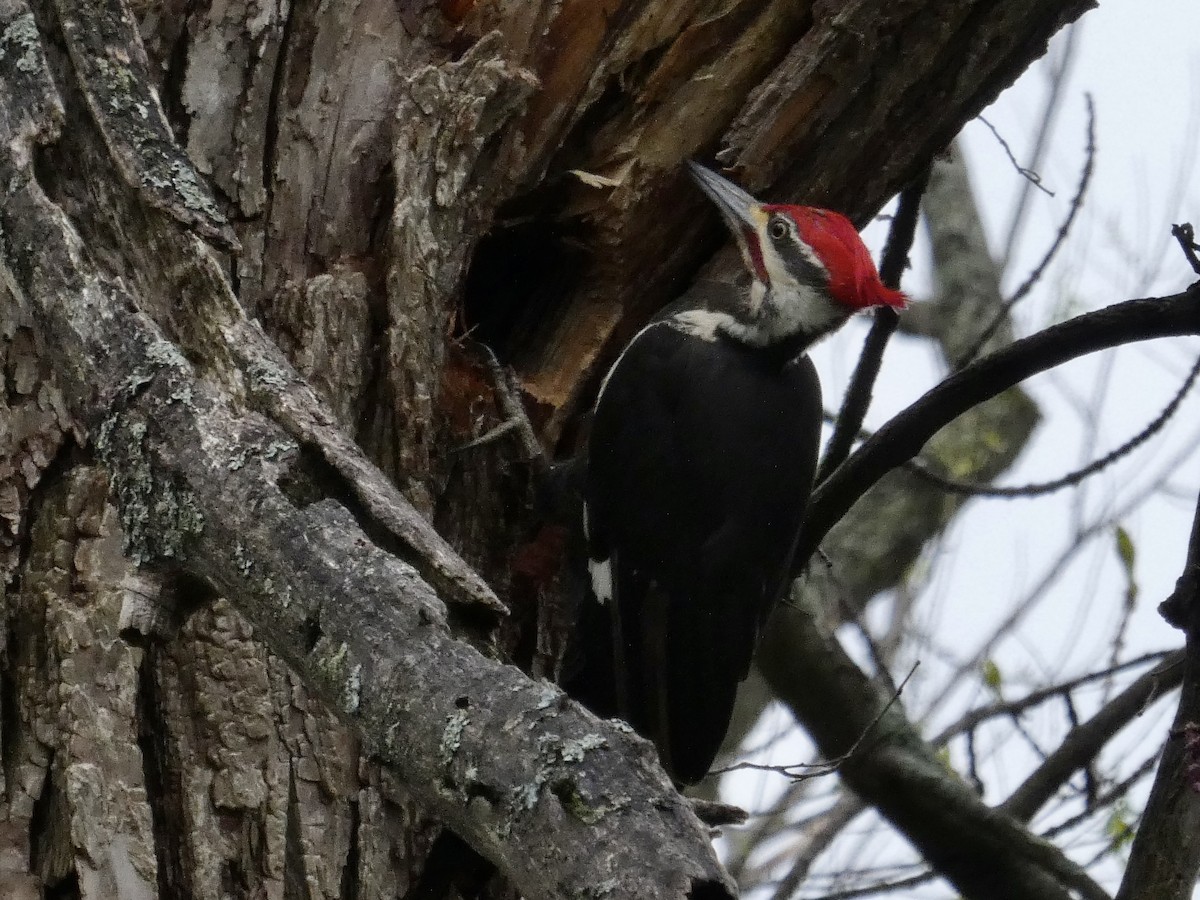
(601, 572)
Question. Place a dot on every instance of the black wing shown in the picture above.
(701, 461)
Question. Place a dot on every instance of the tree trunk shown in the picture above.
(389, 182)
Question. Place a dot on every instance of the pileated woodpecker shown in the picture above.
(700, 463)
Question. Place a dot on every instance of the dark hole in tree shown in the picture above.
(522, 270)
(39, 819)
(66, 888)
(310, 478)
(312, 633)
(708, 890)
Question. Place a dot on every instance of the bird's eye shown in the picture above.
(778, 230)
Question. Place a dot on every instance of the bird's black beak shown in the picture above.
(741, 212)
(735, 204)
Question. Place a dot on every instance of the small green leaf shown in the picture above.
(991, 676)
(1127, 554)
(1119, 829)
(1125, 548)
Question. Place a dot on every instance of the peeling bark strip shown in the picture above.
(509, 763)
(445, 118)
(106, 50)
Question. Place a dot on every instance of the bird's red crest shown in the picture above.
(853, 278)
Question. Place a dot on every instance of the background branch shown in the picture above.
(902, 438)
(901, 775)
(1084, 742)
(1085, 178)
(858, 394)
(1071, 479)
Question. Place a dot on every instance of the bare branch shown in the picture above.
(1058, 83)
(1071, 479)
(1105, 799)
(901, 439)
(901, 775)
(858, 394)
(1028, 174)
(1085, 178)
(827, 827)
(1082, 743)
(1186, 236)
(1015, 707)
(803, 771)
(884, 888)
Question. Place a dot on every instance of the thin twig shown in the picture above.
(1055, 570)
(1085, 178)
(1186, 236)
(1049, 116)
(1081, 744)
(885, 888)
(1015, 707)
(977, 489)
(1028, 174)
(829, 766)
(858, 394)
(1104, 799)
(822, 833)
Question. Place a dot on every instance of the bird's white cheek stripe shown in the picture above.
(758, 293)
(702, 323)
(601, 572)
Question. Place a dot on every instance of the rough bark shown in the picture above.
(359, 625)
(377, 163)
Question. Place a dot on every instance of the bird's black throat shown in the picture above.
(775, 356)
